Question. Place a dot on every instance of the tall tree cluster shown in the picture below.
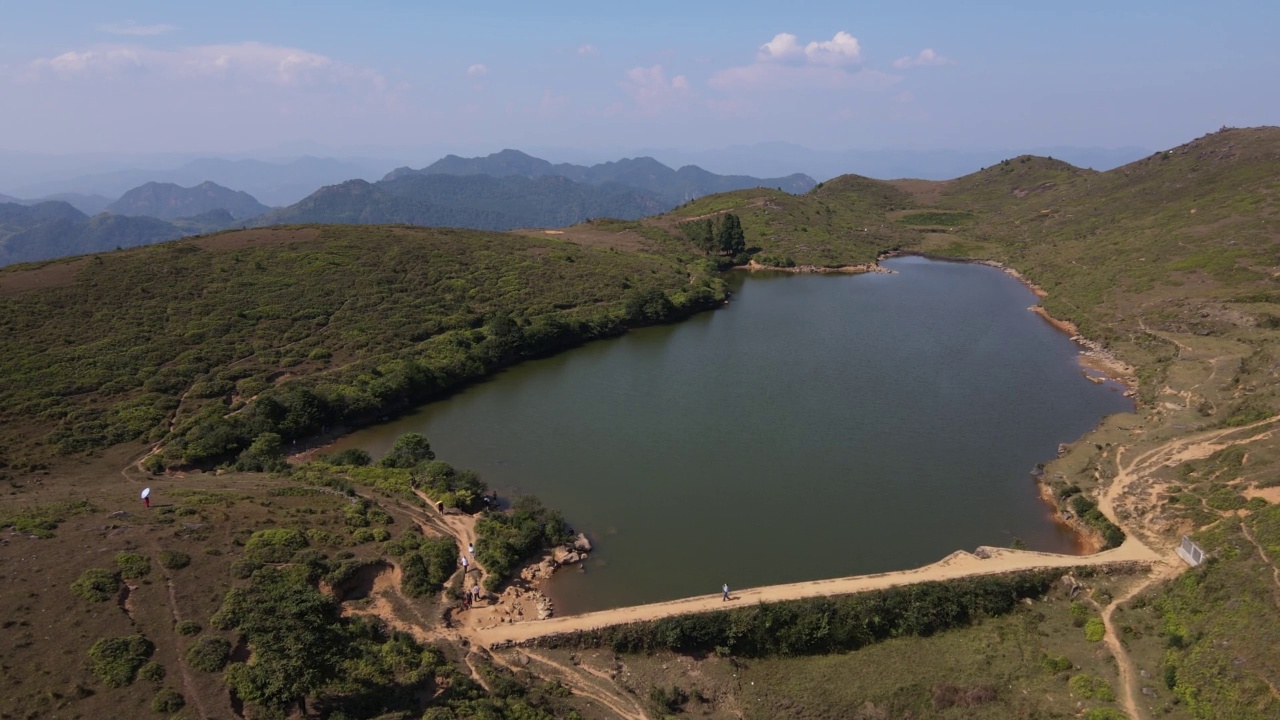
(722, 236)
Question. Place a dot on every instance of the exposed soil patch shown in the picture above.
(50, 275)
(257, 238)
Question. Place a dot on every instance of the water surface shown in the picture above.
(817, 426)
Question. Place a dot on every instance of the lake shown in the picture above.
(817, 426)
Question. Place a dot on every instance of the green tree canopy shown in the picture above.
(409, 450)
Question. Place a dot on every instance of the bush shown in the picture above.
(428, 567)
(209, 654)
(168, 700)
(133, 565)
(1091, 687)
(188, 628)
(1094, 630)
(116, 661)
(354, 457)
(97, 584)
(1056, 663)
(505, 539)
(276, 545)
(151, 672)
(174, 560)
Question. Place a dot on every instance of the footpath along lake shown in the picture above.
(818, 426)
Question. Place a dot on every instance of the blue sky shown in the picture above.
(234, 76)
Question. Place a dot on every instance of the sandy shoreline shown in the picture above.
(753, 266)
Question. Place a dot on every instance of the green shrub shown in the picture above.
(505, 539)
(116, 661)
(97, 584)
(354, 457)
(1094, 630)
(428, 567)
(174, 560)
(209, 654)
(1103, 714)
(276, 545)
(1056, 663)
(168, 700)
(133, 565)
(151, 672)
(41, 521)
(188, 628)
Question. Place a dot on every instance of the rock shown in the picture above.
(119, 514)
(572, 558)
(582, 543)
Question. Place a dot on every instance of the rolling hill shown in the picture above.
(168, 201)
(479, 202)
(55, 229)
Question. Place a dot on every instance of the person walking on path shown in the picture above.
(471, 549)
(464, 564)
(726, 592)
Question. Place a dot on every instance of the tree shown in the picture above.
(730, 237)
(409, 450)
(702, 234)
(266, 454)
(292, 632)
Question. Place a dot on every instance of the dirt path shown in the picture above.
(1275, 572)
(586, 683)
(956, 565)
(1139, 471)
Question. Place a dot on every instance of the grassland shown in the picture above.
(188, 353)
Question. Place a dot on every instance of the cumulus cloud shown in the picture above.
(477, 70)
(588, 50)
(131, 27)
(785, 63)
(926, 58)
(842, 49)
(243, 62)
(651, 90)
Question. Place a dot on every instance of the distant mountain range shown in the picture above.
(55, 229)
(511, 189)
(87, 204)
(168, 201)
(273, 183)
(502, 191)
(643, 173)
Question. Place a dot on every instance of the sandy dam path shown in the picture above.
(959, 564)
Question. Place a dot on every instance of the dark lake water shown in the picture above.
(817, 426)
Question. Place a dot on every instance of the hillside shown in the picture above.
(477, 201)
(168, 201)
(644, 173)
(55, 229)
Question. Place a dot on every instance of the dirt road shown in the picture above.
(956, 565)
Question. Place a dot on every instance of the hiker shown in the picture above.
(464, 564)
(726, 591)
(471, 549)
(475, 590)
(146, 501)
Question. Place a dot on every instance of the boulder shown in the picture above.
(582, 543)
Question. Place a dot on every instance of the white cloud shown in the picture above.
(477, 70)
(131, 27)
(651, 90)
(926, 58)
(784, 63)
(243, 62)
(588, 50)
(841, 49)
